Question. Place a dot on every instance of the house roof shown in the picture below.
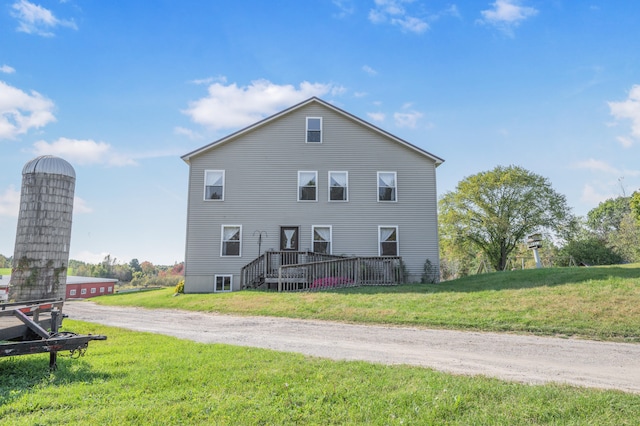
(187, 157)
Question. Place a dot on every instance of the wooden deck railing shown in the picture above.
(264, 269)
(340, 273)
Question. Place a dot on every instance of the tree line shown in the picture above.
(485, 222)
(136, 273)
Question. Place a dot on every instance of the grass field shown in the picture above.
(597, 303)
(144, 379)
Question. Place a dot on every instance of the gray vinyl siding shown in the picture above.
(261, 178)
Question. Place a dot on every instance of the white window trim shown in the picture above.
(204, 194)
(83, 291)
(306, 133)
(397, 239)
(313, 229)
(93, 290)
(315, 172)
(101, 289)
(395, 179)
(329, 186)
(215, 283)
(222, 240)
(72, 292)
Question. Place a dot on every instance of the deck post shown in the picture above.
(279, 279)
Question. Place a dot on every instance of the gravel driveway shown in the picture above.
(526, 359)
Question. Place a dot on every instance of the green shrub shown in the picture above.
(429, 273)
(179, 287)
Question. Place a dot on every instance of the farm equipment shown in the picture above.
(23, 331)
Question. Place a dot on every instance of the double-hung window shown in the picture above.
(223, 283)
(314, 130)
(321, 239)
(387, 241)
(214, 185)
(338, 185)
(307, 186)
(387, 186)
(231, 238)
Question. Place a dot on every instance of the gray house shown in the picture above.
(312, 179)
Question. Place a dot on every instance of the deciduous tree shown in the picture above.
(607, 217)
(497, 209)
(635, 205)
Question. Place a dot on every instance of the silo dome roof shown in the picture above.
(49, 164)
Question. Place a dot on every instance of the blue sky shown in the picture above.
(122, 89)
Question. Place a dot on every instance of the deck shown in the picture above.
(308, 271)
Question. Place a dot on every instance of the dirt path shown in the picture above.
(526, 359)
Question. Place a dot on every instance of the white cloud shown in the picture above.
(35, 19)
(507, 14)
(594, 165)
(182, 131)
(20, 111)
(592, 196)
(394, 12)
(376, 116)
(7, 69)
(230, 106)
(407, 119)
(80, 206)
(10, 202)
(411, 24)
(451, 11)
(209, 80)
(83, 152)
(345, 8)
(628, 109)
(625, 141)
(369, 70)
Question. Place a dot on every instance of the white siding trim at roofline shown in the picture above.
(187, 157)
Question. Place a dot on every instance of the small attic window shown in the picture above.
(314, 129)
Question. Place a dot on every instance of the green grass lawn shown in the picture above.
(145, 379)
(597, 303)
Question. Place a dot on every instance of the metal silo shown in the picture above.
(41, 253)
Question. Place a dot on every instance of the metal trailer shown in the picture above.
(24, 325)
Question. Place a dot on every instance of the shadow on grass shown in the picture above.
(520, 279)
(21, 374)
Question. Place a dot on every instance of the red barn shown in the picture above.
(85, 287)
